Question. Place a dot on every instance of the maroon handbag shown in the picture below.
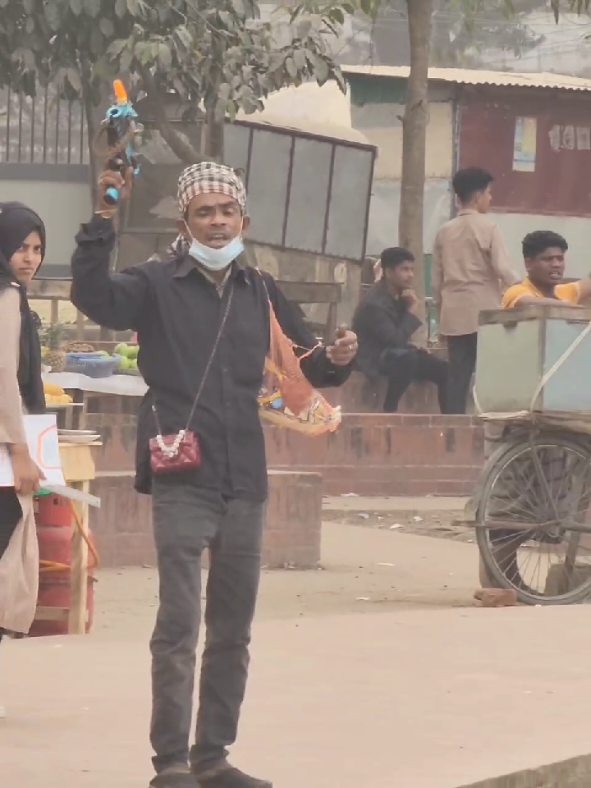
(175, 453)
(181, 452)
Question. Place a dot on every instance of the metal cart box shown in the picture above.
(537, 358)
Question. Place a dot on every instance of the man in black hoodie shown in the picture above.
(384, 323)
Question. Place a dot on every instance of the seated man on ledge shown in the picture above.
(385, 321)
(543, 254)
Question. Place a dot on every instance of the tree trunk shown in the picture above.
(214, 125)
(178, 145)
(93, 115)
(214, 136)
(414, 142)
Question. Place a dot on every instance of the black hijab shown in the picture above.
(17, 222)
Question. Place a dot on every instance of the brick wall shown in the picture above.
(360, 395)
(118, 434)
(371, 453)
(293, 521)
(380, 454)
(123, 525)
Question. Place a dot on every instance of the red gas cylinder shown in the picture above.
(55, 523)
(54, 510)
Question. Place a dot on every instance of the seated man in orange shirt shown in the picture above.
(543, 253)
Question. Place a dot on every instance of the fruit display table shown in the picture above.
(82, 387)
(79, 471)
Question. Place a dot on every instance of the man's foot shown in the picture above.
(176, 777)
(226, 776)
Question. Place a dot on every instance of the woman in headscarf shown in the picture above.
(22, 248)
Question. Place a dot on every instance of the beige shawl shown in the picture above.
(19, 566)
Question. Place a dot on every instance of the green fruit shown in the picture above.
(103, 354)
(133, 363)
(121, 350)
(132, 351)
(124, 363)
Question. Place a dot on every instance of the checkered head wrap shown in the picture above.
(210, 178)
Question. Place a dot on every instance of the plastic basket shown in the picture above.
(93, 365)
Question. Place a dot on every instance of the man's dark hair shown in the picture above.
(467, 183)
(537, 242)
(395, 256)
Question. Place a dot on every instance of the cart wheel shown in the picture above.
(531, 524)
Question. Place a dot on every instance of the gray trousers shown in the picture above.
(186, 521)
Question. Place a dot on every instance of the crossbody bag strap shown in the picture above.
(207, 366)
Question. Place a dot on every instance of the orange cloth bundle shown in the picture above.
(286, 397)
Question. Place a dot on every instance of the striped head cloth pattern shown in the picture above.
(210, 178)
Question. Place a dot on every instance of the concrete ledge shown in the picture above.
(574, 773)
(361, 395)
(293, 523)
(386, 454)
(371, 454)
(123, 525)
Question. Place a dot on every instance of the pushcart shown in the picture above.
(531, 508)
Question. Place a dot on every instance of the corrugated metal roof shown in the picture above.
(473, 77)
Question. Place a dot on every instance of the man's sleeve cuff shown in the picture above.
(98, 230)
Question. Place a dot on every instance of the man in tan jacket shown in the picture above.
(471, 269)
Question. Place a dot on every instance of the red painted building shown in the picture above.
(532, 131)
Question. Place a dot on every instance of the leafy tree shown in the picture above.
(219, 55)
(459, 33)
(458, 39)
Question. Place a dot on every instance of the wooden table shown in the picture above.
(79, 471)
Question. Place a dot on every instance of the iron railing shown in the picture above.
(43, 129)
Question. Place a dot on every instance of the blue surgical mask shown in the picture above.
(216, 259)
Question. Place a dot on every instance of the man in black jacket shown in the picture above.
(384, 323)
(178, 307)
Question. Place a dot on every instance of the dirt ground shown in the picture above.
(365, 568)
(415, 696)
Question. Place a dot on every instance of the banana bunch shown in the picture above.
(55, 395)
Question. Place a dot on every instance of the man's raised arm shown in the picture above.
(113, 301)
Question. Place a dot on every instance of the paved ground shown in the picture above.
(365, 570)
(439, 517)
(416, 699)
(373, 671)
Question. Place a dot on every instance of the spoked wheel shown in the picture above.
(533, 526)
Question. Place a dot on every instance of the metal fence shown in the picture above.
(41, 130)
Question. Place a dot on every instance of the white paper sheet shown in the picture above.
(41, 432)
